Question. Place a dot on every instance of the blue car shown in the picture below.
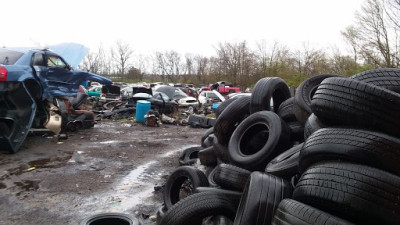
(32, 81)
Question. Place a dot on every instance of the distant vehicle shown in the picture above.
(225, 87)
(95, 91)
(184, 100)
(210, 97)
(236, 95)
(159, 102)
(110, 93)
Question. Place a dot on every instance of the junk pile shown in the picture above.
(328, 155)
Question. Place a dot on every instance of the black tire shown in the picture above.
(221, 151)
(110, 218)
(388, 78)
(235, 196)
(347, 102)
(361, 146)
(208, 156)
(285, 165)
(293, 212)
(189, 155)
(208, 141)
(245, 155)
(231, 177)
(160, 213)
(193, 209)
(185, 177)
(233, 114)
(260, 198)
(358, 193)
(296, 131)
(211, 178)
(221, 107)
(205, 135)
(312, 124)
(304, 94)
(268, 88)
(286, 110)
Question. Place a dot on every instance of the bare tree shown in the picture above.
(94, 61)
(121, 56)
(374, 34)
(352, 37)
(169, 64)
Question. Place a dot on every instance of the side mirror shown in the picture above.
(68, 67)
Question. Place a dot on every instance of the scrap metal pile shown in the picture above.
(328, 155)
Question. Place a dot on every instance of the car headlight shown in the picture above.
(181, 101)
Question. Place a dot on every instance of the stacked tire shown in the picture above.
(328, 155)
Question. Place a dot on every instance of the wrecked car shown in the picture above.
(184, 100)
(160, 102)
(34, 84)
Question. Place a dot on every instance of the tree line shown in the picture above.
(373, 40)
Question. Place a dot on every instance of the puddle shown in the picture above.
(134, 189)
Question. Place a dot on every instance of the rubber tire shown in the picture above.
(361, 146)
(347, 102)
(160, 213)
(221, 107)
(110, 218)
(268, 88)
(252, 158)
(388, 78)
(208, 141)
(221, 151)
(235, 196)
(296, 131)
(260, 198)
(189, 155)
(231, 177)
(205, 135)
(285, 165)
(304, 94)
(193, 209)
(286, 110)
(358, 193)
(233, 114)
(208, 156)
(211, 178)
(293, 212)
(312, 124)
(177, 178)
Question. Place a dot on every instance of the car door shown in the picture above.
(55, 75)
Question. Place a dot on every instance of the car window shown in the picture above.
(212, 95)
(55, 61)
(8, 57)
(38, 60)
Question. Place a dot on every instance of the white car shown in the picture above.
(184, 100)
(210, 97)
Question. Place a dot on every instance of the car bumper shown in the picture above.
(17, 111)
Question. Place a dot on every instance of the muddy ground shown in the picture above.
(113, 167)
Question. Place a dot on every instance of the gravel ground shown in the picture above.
(113, 167)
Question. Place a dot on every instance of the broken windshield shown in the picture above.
(8, 57)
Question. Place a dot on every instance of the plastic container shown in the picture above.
(214, 106)
(142, 107)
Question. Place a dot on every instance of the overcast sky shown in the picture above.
(186, 26)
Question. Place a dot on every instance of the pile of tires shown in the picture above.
(328, 155)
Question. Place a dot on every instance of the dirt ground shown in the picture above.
(113, 167)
